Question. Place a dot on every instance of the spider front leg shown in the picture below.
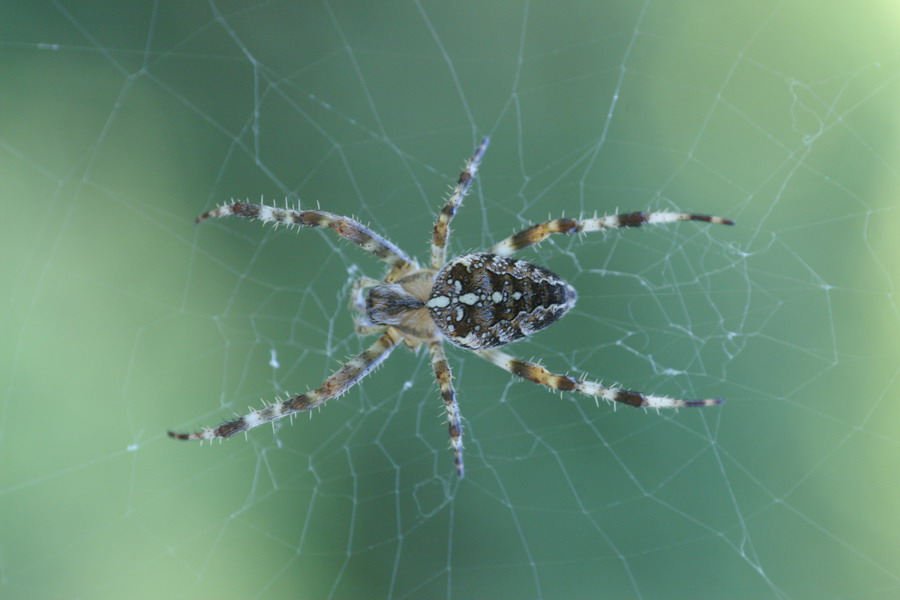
(538, 374)
(538, 233)
(347, 228)
(442, 227)
(343, 379)
(454, 420)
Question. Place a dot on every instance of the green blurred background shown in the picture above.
(120, 122)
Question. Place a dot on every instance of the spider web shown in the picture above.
(123, 121)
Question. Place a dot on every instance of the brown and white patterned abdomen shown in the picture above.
(483, 300)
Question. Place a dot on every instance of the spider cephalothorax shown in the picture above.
(479, 302)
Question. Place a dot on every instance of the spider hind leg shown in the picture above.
(538, 233)
(537, 374)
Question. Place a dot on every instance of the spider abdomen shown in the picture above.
(481, 301)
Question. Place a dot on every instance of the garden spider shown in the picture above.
(479, 302)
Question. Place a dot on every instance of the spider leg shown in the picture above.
(343, 379)
(445, 381)
(364, 329)
(538, 374)
(537, 233)
(347, 228)
(442, 227)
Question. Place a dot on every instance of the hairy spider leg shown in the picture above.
(347, 228)
(351, 373)
(538, 233)
(536, 373)
(454, 419)
(442, 227)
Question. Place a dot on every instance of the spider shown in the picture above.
(480, 301)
